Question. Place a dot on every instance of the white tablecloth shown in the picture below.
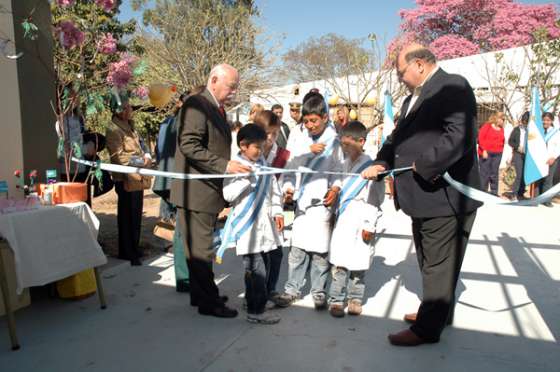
(51, 243)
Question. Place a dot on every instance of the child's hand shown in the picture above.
(331, 196)
(279, 223)
(367, 236)
(317, 148)
(289, 196)
(222, 216)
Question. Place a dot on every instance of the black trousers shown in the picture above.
(518, 161)
(197, 230)
(440, 247)
(129, 220)
(489, 170)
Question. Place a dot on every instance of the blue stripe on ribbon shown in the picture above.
(345, 199)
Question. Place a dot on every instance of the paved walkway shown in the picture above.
(507, 318)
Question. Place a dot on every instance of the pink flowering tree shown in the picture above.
(456, 28)
(90, 62)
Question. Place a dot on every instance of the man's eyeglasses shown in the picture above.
(401, 73)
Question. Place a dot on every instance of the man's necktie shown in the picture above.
(222, 111)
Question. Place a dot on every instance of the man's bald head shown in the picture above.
(414, 63)
(223, 82)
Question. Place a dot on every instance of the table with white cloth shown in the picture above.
(50, 243)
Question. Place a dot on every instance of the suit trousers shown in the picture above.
(197, 229)
(440, 247)
(518, 161)
(129, 221)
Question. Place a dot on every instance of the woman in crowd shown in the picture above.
(490, 147)
(255, 109)
(123, 144)
(341, 117)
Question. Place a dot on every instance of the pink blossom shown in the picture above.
(453, 46)
(120, 73)
(107, 5)
(107, 44)
(64, 3)
(70, 36)
(476, 25)
(141, 92)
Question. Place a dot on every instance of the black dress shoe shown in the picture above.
(182, 286)
(223, 299)
(135, 262)
(218, 312)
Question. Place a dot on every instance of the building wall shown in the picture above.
(28, 138)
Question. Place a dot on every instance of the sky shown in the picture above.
(297, 20)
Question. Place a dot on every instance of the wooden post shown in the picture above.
(6, 297)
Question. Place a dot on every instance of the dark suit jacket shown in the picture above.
(203, 147)
(515, 138)
(438, 135)
(282, 139)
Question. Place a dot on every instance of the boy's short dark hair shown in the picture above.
(276, 106)
(312, 93)
(354, 129)
(315, 105)
(250, 133)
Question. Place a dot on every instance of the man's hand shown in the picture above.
(234, 166)
(371, 173)
(484, 154)
(289, 196)
(367, 236)
(147, 161)
(279, 223)
(331, 196)
(317, 148)
(550, 161)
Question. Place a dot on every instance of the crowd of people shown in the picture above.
(491, 146)
(436, 132)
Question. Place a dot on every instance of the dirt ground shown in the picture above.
(105, 208)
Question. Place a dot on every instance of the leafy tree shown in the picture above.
(355, 73)
(184, 39)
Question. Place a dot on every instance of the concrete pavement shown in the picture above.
(507, 317)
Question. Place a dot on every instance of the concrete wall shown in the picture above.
(28, 138)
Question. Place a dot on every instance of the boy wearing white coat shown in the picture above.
(255, 222)
(359, 209)
(315, 195)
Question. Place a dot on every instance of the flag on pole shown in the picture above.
(535, 151)
(388, 117)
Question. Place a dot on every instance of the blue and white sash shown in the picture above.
(313, 163)
(550, 134)
(351, 187)
(242, 217)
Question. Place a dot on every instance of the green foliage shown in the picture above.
(30, 30)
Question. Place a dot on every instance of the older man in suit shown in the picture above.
(203, 147)
(436, 133)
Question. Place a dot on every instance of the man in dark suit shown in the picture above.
(203, 147)
(282, 139)
(436, 133)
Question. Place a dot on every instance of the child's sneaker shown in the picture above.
(354, 307)
(264, 318)
(336, 310)
(284, 300)
(320, 301)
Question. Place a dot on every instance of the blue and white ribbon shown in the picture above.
(328, 137)
(551, 132)
(242, 217)
(351, 187)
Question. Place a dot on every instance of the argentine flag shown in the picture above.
(536, 154)
(388, 118)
